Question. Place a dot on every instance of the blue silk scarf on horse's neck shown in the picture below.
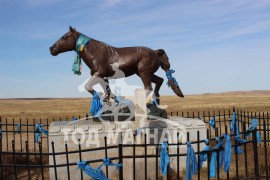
(80, 44)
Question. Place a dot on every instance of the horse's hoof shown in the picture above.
(108, 103)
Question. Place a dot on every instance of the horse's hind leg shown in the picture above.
(158, 81)
(146, 79)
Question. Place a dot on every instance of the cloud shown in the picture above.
(248, 29)
(111, 3)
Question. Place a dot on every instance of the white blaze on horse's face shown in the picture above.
(66, 43)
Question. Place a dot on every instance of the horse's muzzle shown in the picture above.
(54, 50)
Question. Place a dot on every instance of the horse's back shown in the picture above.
(135, 59)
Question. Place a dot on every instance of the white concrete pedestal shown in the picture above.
(92, 135)
(156, 130)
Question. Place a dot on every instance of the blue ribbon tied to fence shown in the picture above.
(38, 131)
(234, 129)
(108, 162)
(254, 123)
(213, 162)
(191, 162)
(97, 174)
(212, 122)
(237, 147)
(203, 154)
(19, 128)
(164, 158)
(74, 119)
(234, 124)
(227, 153)
(96, 105)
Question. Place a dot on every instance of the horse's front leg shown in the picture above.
(96, 107)
(92, 81)
(108, 93)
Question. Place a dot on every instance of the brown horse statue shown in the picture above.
(100, 57)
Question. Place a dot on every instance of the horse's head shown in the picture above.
(66, 43)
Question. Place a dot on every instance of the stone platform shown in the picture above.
(91, 135)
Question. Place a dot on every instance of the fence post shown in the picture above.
(27, 158)
(168, 166)
(14, 159)
(120, 154)
(54, 161)
(6, 134)
(267, 123)
(145, 156)
(198, 150)
(40, 159)
(80, 155)
(21, 135)
(1, 150)
(134, 159)
(265, 147)
(106, 153)
(236, 144)
(68, 172)
(178, 159)
(255, 150)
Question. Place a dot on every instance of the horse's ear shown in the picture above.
(72, 29)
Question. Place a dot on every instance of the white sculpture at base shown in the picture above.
(92, 134)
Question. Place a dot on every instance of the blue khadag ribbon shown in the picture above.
(38, 131)
(191, 162)
(169, 77)
(19, 128)
(212, 122)
(227, 153)
(164, 158)
(254, 123)
(213, 162)
(108, 162)
(96, 105)
(80, 44)
(97, 174)
(234, 124)
(203, 154)
(237, 148)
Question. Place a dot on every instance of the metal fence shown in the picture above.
(22, 158)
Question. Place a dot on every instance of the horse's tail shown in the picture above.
(165, 65)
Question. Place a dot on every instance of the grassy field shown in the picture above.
(255, 101)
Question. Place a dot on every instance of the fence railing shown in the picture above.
(222, 118)
(14, 162)
(21, 157)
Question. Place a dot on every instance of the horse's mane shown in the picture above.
(105, 47)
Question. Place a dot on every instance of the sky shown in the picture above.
(213, 45)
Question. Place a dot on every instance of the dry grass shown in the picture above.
(255, 101)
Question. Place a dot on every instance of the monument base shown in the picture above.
(92, 134)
